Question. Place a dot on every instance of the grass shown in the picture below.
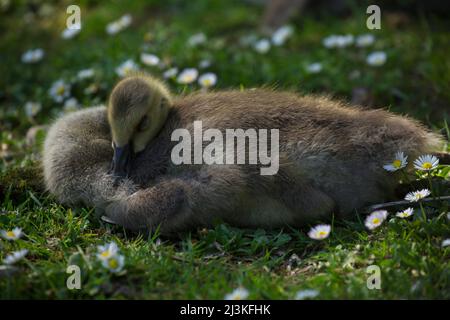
(207, 264)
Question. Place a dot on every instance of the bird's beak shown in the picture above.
(120, 161)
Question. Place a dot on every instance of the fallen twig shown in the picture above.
(403, 202)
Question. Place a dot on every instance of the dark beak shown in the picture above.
(120, 162)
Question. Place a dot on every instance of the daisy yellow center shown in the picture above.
(10, 234)
(113, 264)
(322, 233)
(207, 82)
(60, 90)
(105, 254)
(427, 165)
(397, 163)
(376, 220)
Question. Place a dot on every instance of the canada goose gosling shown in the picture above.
(137, 110)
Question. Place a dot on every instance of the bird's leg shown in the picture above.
(148, 208)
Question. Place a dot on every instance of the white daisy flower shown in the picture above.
(426, 162)
(207, 80)
(365, 40)
(149, 59)
(85, 74)
(126, 67)
(59, 90)
(196, 39)
(187, 76)
(32, 108)
(319, 232)
(118, 25)
(262, 46)
(399, 162)
(107, 251)
(405, 213)
(337, 41)
(15, 256)
(237, 294)
(72, 32)
(205, 63)
(417, 195)
(113, 28)
(306, 294)
(314, 67)
(170, 73)
(376, 59)
(330, 41)
(125, 20)
(446, 243)
(280, 36)
(71, 105)
(375, 219)
(32, 56)
(114, 264)
(13, 234)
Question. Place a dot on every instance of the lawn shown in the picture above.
(210, 263)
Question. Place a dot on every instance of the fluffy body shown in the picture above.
(331, 162)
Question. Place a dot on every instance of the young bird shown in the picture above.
(331, 158)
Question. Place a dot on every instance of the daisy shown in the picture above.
(113, 28)
(149, 59)
(196, 39)
(262, 46)
(69, 33)
(306, 294)
(446, 243)
(32, 108)
(344, 41)
(405, 213)
(32, 56)
(330, 41)
(337, 41)
(417, 195)
(118, 25)
(314, 67)
(187, 76)
(126, 67)
(319, 232)
(15, 256)
(207, 80)
(59, 90)
(71, 105)
(237, 294)
(114, 264)
(365, 40)
(13, 234)
(426, 162)
(280, 36)
(398, 163)
(107, 251)
(376, 59)
(170, 73)
(85, 74)
(125, 20)
(375, 219)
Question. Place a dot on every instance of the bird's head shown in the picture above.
(137, 110)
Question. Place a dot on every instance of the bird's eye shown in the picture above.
(144, 124)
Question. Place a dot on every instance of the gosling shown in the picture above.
(331, 158)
